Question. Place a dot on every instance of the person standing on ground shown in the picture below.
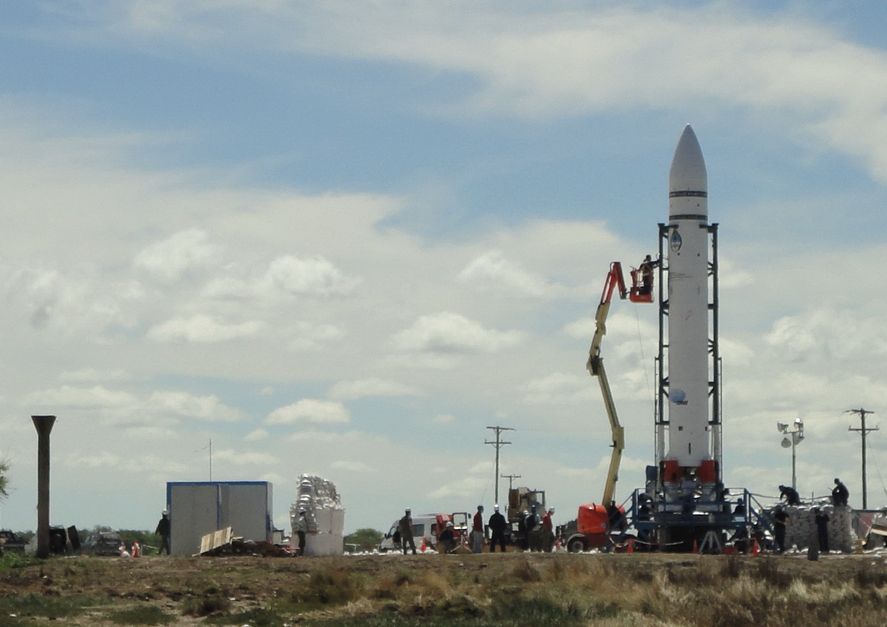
(477, 531)
(163, 531)
(790, 495)
(301, 530)
(840, 493)
(405, 526)
(522, 530)
(547, 531)
(780, 517)
(497, 526)
(534, 542)
(821, 520)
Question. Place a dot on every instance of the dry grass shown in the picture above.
(471, 590)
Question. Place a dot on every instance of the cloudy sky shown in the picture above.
(344, 238)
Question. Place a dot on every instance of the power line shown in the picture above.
(498, 443)
(863, 430)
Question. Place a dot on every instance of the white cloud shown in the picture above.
(311, 411)
(311, 276)
(244, 458)
(448, 332)
(458, 487)
(581, 329)
(351, 466)
(372, 387)
(201, 328)
(90, 375)
(828, 334)
(560, 388)
(307, 336)
(95, 397)
(135, 464)
(146, 433)
(493, 271)
(171, 258)
(444, 419)
(208, 408)
(256, 435)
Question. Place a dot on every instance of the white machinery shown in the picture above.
(324, 515)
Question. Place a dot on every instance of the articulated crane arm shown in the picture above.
(595, 367)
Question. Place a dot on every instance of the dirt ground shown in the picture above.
(510, 589)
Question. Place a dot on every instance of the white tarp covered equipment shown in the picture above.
(324, 515)
(801, 527)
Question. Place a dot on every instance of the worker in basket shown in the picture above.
(645, 271)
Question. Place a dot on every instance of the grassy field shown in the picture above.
(431, 590)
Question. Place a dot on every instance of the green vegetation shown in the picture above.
(254, 618)
(210, 601)
(141, 615)
(10, 560)
(33, 605)
(365, 539)
(460, 590)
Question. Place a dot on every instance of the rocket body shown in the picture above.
(688, 319)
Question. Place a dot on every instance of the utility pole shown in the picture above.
(498, 443)
(511, 479)
(862, 431)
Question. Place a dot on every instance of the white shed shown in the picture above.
(200, 507)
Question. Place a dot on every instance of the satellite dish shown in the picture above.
(786, 443)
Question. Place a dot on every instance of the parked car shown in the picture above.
(11, 542)
(424, 526)
(103, 543)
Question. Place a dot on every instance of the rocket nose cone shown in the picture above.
(687, 165)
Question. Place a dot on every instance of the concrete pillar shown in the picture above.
(43, 424)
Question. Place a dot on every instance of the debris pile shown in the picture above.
(324, 515)
(223, 542)
(801, 527)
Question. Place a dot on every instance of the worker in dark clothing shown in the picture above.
(163, 531)
(840, 493)
(405, 527)
(522, 530)
(790, 495)
(532, 526)
(821, 519)
(448, 538)
(497, 526)
(615, 518)
(646, 272)
(740, 537)
(301, 529)
(780, 517)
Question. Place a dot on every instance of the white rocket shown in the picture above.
(688, 337)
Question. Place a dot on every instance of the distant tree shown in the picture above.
(4, 469)
(26, 536)
(365, 539)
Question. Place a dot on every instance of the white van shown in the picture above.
(424, 526)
